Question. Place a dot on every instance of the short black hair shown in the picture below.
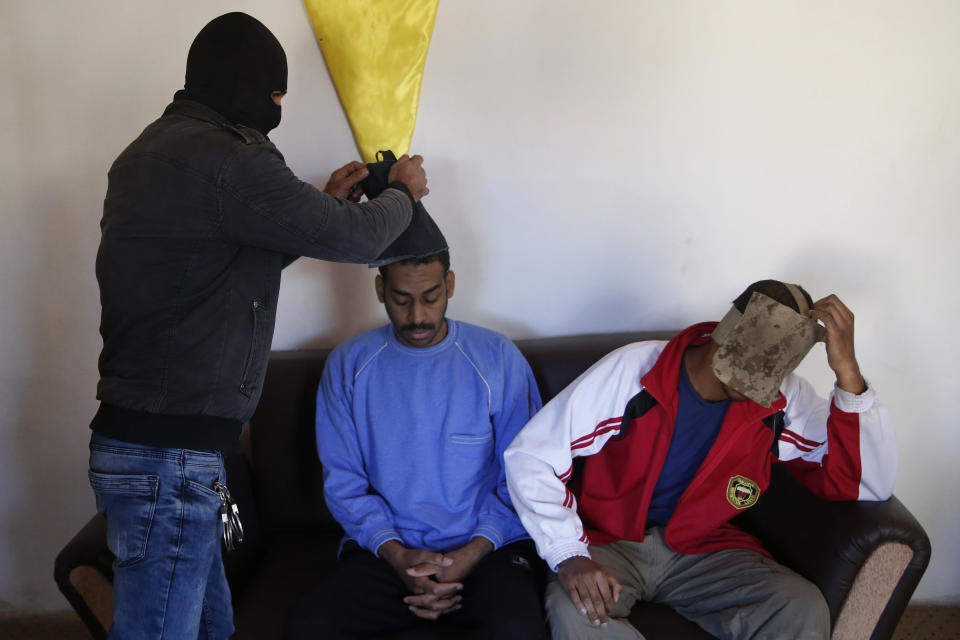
(443, 257)
(772, 289)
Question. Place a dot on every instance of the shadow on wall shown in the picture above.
(345, 294)
(860, 280)
(468, 239)
(56, 378)
(60, 150)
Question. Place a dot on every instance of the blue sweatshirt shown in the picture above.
(412, 439)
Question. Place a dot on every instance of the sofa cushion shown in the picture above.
(288, 480)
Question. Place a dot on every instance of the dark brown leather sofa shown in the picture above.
(867, 558)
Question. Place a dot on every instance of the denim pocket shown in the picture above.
(202, 490)
(199, 499)
(128, 502)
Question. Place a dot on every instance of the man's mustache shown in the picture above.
(418, 327)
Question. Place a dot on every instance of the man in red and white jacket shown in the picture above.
(679, 437)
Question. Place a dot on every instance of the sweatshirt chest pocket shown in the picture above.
(471, 439)
(470, 453)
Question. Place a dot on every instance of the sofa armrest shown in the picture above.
(866, 557)
(83, 571)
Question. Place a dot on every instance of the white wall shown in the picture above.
(631, 165)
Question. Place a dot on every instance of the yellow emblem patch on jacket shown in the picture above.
(742, 492)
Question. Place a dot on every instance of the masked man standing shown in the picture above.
(201, 214)
(678, 437)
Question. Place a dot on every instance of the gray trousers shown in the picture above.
(733, 593)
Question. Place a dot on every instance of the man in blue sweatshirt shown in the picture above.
(412, 422)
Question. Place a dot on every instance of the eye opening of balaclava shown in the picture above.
(758, 347)
(234, 65)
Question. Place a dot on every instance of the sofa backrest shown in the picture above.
(288, 479)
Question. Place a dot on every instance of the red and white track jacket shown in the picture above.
(841, 450)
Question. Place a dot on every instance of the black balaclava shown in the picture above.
(234, 64)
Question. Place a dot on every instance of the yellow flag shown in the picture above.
(375, 51)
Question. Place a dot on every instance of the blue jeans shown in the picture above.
(163, 527)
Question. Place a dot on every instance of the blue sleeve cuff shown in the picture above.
(491, 533)
(384, 535)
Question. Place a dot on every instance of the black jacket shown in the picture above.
(199, 219)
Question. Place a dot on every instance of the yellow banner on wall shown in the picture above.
(375, 51)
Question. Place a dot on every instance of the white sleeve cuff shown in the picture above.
(561, 551)
(853, 403)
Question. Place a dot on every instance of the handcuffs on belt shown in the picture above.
(230, 517)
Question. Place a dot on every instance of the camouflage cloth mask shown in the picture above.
(760, 346)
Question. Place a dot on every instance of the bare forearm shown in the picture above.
(850, 379)
(477, 548)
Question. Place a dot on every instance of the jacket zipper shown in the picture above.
(255, 307)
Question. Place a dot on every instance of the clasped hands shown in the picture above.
(433, 579)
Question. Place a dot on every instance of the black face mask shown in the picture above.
(234, 64)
